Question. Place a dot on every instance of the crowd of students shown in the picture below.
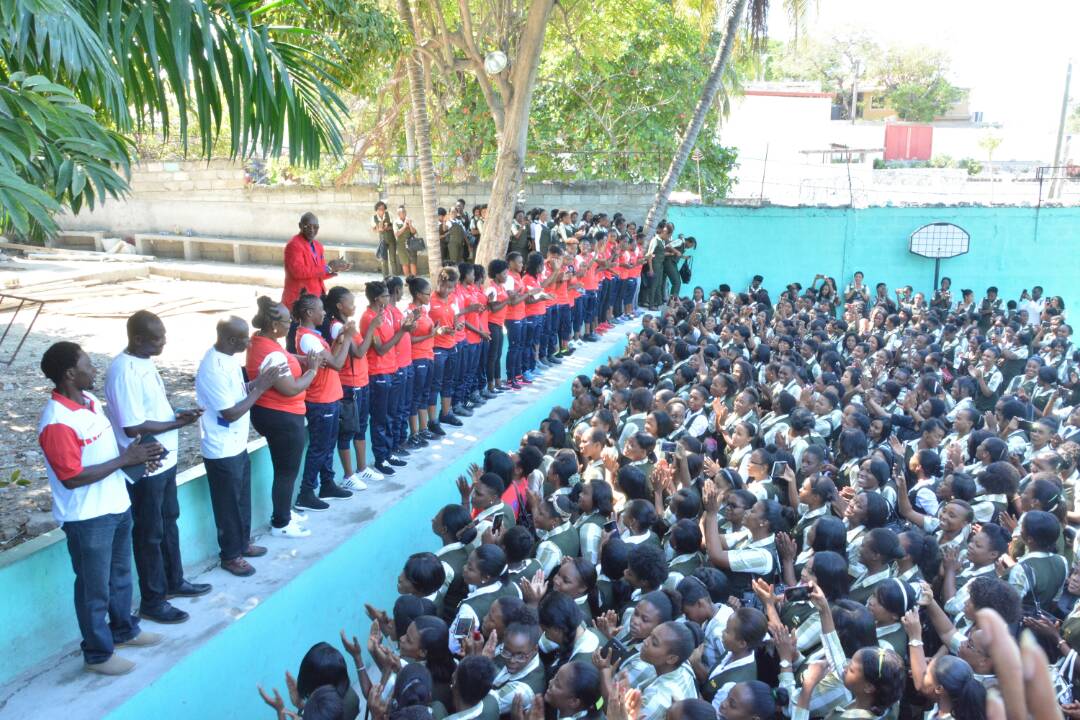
(805, 504)
(797, 504)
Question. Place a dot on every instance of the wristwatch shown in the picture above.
(915, 642)
(785, 664)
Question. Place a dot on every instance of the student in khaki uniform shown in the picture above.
(404, 232)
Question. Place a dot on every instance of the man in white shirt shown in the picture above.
(225, 424)
(91, 504)
(137, 407)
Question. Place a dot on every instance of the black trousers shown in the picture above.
(285, 438)
(230, 496)
(155, 537)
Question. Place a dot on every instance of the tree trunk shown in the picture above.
(410, 148)
(422, 130)
(514, 135)
(689, 139)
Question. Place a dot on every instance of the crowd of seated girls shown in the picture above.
(772, 505)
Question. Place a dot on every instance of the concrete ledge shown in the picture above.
(85, 240)
(242, 251)
(248, 630)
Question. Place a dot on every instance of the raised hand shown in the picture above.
(352, 647)
(785, 546)
(912, 624)
(763, 591)
(532, 589)
(608, 624)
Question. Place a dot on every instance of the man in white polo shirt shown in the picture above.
(226, 399)
(138, 406)
(91, 504)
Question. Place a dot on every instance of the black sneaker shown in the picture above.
(416, 442)
(307, 501)
(164, 614)
(591, 338)
(396, 461)
(400, 450)
(383, 468)
(331, 491)
(462, 411)
(450, 419)
(434, 431)
(551, 359)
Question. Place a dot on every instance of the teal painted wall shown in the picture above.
(38, 573)
(219, 679)
(1013, 248)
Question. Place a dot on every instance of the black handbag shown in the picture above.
(415, 244)
(685, 270)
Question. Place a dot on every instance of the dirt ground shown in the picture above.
(93, 315)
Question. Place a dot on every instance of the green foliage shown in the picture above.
(52, 152)
(974, 167)
(618, 87)
(75, 71)
(915, 83)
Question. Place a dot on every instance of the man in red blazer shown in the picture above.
(305, 264)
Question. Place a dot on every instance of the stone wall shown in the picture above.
(212, 199)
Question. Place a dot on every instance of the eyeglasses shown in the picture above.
(515, 657)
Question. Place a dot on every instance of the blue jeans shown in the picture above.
(469, 370)
(577, 313)
(423, 376)
(614, 296)
(629, 287)
(100, 550)
(528, 350)
(155, 537)
(393, 408)
(592, 299)
(551, 331)
(565, 316)
(405, 404)
(322, 429)
(443, 371)
(459, 372)
(381, 446)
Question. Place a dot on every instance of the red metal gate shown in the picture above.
(908, 142)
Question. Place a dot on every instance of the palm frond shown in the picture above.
(53, 153)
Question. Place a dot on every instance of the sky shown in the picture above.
(1011, 55)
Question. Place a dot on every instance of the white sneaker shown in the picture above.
(369, 475)
(298, 516)
(352, 482)
(292, 530)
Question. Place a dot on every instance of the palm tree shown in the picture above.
(76, 75)
(421, 125)
(708, 95)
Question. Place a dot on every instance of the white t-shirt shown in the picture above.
(135, 393)
(74, 437)
(219, 385)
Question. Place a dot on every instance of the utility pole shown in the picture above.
(1055, 180)
(854, 93)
